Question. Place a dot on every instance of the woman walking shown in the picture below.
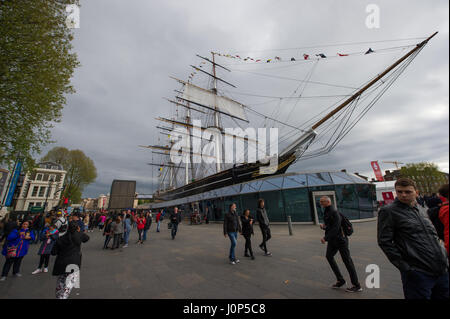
(68, 260)
(247, 232)
(140, 222)
(148, 224)
(101, 221)
(15, 249)
(117, 231)
(127, 230)
(48, 237)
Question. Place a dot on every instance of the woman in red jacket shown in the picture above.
(443, 213)
(140, 222)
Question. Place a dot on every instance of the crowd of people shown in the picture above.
(414, 236)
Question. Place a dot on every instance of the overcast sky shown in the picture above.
(128, 49)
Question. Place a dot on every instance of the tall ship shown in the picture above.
(204, 107)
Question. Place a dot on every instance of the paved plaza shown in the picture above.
(195, 265)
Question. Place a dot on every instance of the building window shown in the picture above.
(39, 177)
(42, 191)
(35, 191)
(38, 204)
(30, 205)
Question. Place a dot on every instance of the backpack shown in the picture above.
(346, 225)
(63, 227)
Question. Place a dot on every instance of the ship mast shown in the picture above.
(216, 117)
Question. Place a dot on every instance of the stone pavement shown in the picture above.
(195, 265)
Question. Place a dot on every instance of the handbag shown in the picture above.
(11, 252)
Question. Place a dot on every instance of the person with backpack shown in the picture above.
(61, 224)
(337, 240)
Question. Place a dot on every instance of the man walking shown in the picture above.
(231, 226)
(337, 241)
(263, 221)
(410, 242)
(175, 219)
(158, 221)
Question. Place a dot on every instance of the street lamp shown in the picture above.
(50, 183)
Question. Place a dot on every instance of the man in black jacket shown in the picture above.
(231, 226)
(337, 241)
(175, 219)
(410, 242)
(263, 221)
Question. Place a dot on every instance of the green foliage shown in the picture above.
(80, 169)
(36, 64)
(426, 175)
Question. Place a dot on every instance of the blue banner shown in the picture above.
(13, 184)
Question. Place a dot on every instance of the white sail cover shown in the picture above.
(201, 96)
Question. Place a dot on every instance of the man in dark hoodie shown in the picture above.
(263, 221)
(337, 241)
(231, 227)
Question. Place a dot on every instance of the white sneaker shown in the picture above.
(124, 246)
(37, 271)
(17, 275)
(3, 279)
(233, 262)
(45, 269)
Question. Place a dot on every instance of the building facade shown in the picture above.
(293, 194)
(41, 188)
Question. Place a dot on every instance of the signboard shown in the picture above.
(14, 180)
(36, 209)
(377, 171)
(122, 194)
(388, 197)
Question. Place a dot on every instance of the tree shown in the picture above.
(36, 64)
(80, 170)
(426, 175)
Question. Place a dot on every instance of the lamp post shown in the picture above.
(50, 183)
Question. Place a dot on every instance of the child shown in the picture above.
(48, 237)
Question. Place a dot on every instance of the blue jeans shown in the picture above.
(157, 227)
(233, 239)
(126, 236)
(174, 230)
(417, 285)
(144, 237)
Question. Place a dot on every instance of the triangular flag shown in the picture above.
(292, 59)
(342, 54)
(269, 60)
(305, 56)
(258, 61)
(369, 51)
(278, 58)
(323, 56)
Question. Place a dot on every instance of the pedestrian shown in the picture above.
(67, 250)
(443, 213)
(175, 219)
(148, 224)
(247, 232)
(101, 221)
(61, 224)
(117, 231)
(107, 233)
(140, 224)
(159, 218)
(337, 241)
(48, 236)
(9, 226)
(410, 242)
(126, 230)
(86, 221)
(231, 227)
(15, 249)
(38, 226)
(263, 221)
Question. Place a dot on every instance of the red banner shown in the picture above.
(377, 170)
(388, 197)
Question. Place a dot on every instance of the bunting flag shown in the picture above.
(369, 51)
(305, 56)
(292, 59)
(323, 56)
(342, 54)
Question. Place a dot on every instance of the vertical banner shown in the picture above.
(3, 179)
(14, 180)
(388, 197)
(377, 171)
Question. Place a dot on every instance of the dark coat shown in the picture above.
(175, 218)
(247, 228)
(148, 222)
(333, 227)
(260, 214)
(409, 239)
(68, 251)
(231, 223)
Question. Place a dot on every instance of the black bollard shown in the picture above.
(290, 225)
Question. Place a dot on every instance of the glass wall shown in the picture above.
(347, 201)
(250, 201)
(274, 205)
(297, 204)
